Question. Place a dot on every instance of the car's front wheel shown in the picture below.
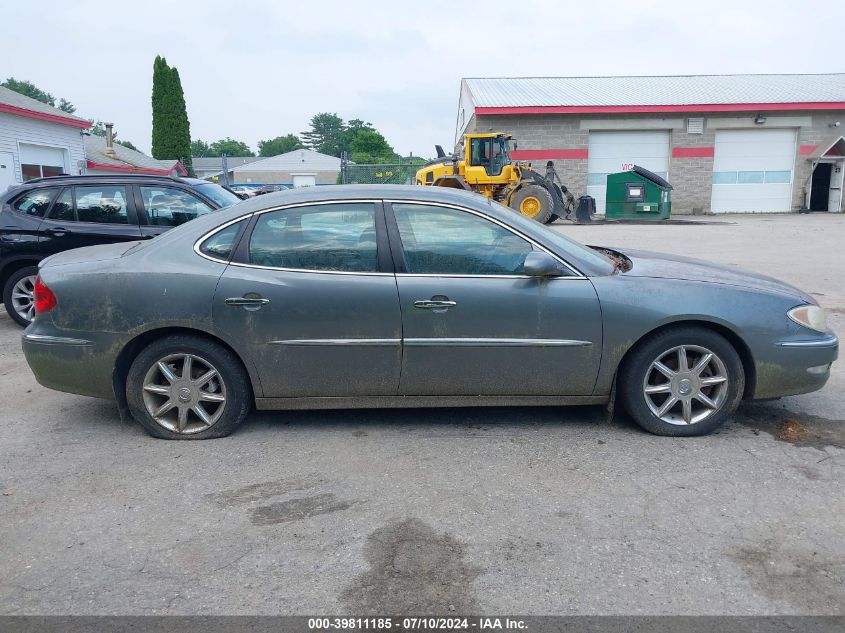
(19, 295)
(685, 381)
(188, 388)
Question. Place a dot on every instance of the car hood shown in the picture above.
(662, 266)
(98, 253)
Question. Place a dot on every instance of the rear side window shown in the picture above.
(35, 202)
(222, 244)
(331, 237)
(167, 206)
(104, 204)
(63, 207)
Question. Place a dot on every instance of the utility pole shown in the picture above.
(225, 169)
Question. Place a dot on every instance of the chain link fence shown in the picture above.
(400, 173)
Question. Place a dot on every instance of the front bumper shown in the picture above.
(796, 365)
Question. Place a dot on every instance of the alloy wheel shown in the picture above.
(184, 393)
(23, 297)
(685, 385)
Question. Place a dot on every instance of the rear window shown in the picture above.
(35, 202)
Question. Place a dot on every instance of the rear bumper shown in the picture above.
(796, 366)
(69, 363)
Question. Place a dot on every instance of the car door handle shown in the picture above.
(434, 304)
(59, 230)
(247, 301)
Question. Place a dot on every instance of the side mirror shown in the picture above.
(540, 264)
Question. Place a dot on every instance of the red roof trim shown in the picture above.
(806, 150)
(181, 168)
(693, 152)
(128, 169)
(645, 109)
(52, 118)
(548, 154)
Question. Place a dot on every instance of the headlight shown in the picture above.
(812, 317)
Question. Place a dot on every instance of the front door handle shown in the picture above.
(435, 304)
(59, 230)
(247, 302)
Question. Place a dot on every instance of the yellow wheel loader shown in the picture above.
(484, 166)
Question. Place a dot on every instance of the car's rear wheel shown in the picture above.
(188, 388)
(19, 295)
(684, 381)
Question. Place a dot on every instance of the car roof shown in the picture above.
(357, 192)
(87, 178)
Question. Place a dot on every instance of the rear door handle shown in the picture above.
(434, 304)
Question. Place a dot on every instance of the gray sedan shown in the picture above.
(380, 296)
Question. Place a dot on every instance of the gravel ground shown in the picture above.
(531, 511)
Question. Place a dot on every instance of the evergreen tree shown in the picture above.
(171, 128)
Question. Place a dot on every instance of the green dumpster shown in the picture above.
(638, 194)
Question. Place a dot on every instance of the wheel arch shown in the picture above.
(131, 350)
(13, 264)
(743, 351)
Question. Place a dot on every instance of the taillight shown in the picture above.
(45, 300)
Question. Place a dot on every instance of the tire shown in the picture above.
(533, 201)
(639, 372)
(224, 398)
(17, 306)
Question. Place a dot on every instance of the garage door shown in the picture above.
(612, 152)
(304, 180)
(752, 170)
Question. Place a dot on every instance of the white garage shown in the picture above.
(612, 152)
(753, 170)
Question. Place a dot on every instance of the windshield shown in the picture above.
(565, 245)
(218, 194)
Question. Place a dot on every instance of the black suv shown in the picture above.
(48, 215)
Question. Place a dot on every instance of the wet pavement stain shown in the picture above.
(261, 491)
(413, 569)
(798, 429)
(806, 579)
(298, 509)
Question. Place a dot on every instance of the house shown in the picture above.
(299, 168)
(726, 142)
(104, 156)
(209, 166)
(37, 140)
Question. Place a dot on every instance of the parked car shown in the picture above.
(44, 216)
(371, 296)
(270, 189)
(244, 191)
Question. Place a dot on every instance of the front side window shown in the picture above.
(35, 202)
(440, 240)
(331, 237)
(103, 204)
(167, 206)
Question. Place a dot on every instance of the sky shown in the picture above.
(258, 69)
